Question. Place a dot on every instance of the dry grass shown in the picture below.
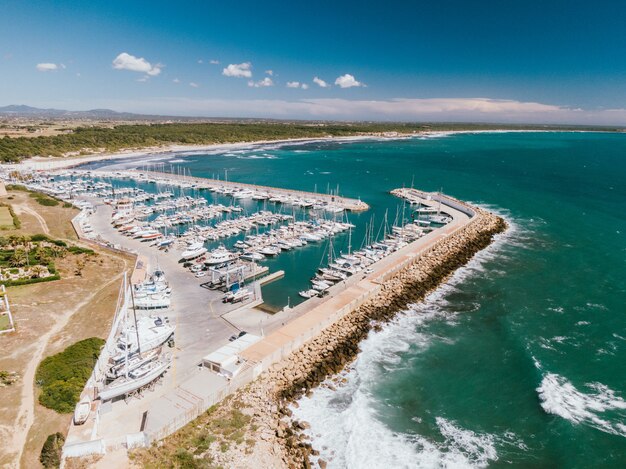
(37, 307)
(198, 444)
(6, 220)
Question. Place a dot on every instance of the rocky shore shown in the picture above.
(278, 440)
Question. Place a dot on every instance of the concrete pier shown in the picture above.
(353, 205)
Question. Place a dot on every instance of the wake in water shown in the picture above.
(346, 426)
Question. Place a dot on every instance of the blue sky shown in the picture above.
(549, 61)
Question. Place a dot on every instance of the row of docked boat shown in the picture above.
(288, 237)
(139, 356)
(340, 268)
(312, 202)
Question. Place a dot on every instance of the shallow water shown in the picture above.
(520, 358)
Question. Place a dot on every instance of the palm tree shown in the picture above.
(58, 251)
(41, 254)
(25, 241)
(14, 240)
(18, 259)
(38, 271)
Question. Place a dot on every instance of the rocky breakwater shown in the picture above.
(329, 352)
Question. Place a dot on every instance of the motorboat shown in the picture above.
(252, 256)
(220, 256)
(270, 251)
(82, 410)
(309, 293)
(195, 250)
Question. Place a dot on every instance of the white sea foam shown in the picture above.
(178, 160)
(560, 397)
(347, 430)
(479, 449)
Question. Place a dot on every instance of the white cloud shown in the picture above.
(269, 72)
(48, 67)
(200, 61)
(125, 61)
(143, 79)
(243, 70)
(347, 81)
(267, 81)
(321, 83)
(214, 62)
(193, 85)
(297, 84)
(176, 80)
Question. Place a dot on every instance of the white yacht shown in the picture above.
(219, 256)
(193, 251)
(270, 251)
(243, 194)
(252, 256)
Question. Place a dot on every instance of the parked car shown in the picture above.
(237, 336)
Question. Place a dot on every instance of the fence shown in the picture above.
(241, 379)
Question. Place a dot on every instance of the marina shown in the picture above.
(165, 329)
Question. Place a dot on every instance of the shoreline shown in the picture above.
(280, 439)
(57, 163)
(40, 163)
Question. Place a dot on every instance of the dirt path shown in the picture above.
(23, 208)
(26, 412)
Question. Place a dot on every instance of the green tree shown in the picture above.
(51, 451)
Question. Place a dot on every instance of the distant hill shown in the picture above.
(21, 110)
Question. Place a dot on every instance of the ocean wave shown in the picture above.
(346, 429)
(600, 408)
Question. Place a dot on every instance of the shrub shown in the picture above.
(51, 451)
(79, 250)
(39, 237)
(28, 281)
(63, 376)
(47, 201)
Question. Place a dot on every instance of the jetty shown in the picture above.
(350, 204)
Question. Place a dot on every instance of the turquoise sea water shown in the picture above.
(521, 358)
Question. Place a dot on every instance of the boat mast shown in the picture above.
(350, 241)
(439, 206)
(132, 296)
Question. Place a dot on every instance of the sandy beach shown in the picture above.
(39, 163)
